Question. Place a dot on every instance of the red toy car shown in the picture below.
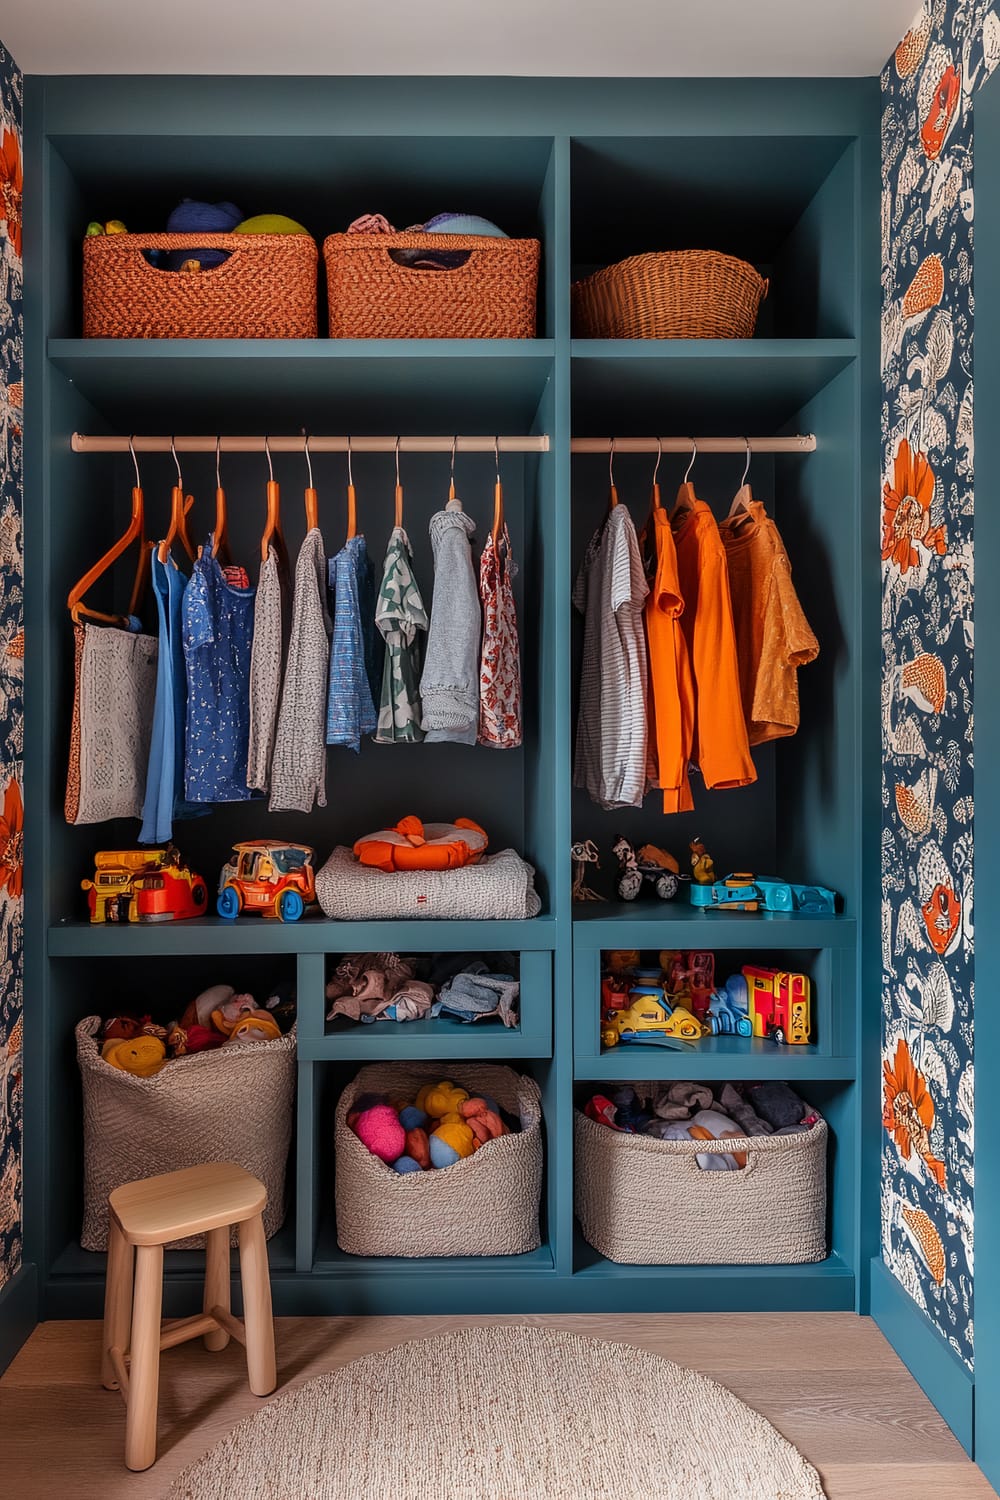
(172, 894)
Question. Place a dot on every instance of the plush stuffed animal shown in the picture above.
(199, 1012)
(440, 1099)
(225, 1017)
(450, 1142)
(255, 1026)
(484, 1122)
(379, 1129)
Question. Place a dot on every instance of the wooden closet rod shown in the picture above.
(83, 442)
(801, 443)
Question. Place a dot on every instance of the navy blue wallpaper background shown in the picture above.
(928, 990)
(11, 666)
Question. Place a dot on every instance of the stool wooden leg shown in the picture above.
(117, 1302)
(257, 1318)
(216, 1283)
(144, 1373)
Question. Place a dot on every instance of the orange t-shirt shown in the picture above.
(671, 710)
(721, 749)
(773, 636)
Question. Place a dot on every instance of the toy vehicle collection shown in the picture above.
(144, 885)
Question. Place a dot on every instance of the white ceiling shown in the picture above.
(547, 38)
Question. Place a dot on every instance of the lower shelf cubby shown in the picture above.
(825, 1284)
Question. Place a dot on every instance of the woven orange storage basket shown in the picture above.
(265, 290)
(672, 294)
(492, 296)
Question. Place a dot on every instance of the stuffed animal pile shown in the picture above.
(218, 1017)
(443, 1125)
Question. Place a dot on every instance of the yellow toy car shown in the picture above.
(650, 1019)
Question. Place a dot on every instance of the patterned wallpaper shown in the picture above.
(927, 651)
(11, 667)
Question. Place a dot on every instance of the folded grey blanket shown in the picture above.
(500, 886)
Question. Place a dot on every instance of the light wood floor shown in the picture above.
(828, 1381)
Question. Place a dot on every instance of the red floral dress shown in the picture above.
(500, 665)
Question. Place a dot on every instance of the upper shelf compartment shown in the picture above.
(785, 204)
(323, 181)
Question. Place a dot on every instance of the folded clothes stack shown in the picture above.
(370, 987)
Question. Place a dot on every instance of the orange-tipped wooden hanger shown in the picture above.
(352, 496)
(273, 535)
(312, 499)
(452, 496)
(686, 496)
(180, 504)
(220, 548)
(136, 531)
(612, 492)
(498, 521)
(398, 518)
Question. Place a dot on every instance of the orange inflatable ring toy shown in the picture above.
(413, 845)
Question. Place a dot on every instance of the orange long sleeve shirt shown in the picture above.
(721, 749)
(671, 683)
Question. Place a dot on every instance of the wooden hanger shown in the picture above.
(220, 548)
(311, 497)
(398, 519)
(686, 496)
(352, 496)
(740, 508)
(273, 535)
(179, 507)
(498, 520)
(613, 493)
(135, 531)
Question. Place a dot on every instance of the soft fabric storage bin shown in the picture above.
(265, 290)
(491, 296)
(485, 1204)
(671, 294)
(646, 1202)
(231, 1104)
(499, 886)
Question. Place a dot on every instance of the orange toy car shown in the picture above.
(269, 877)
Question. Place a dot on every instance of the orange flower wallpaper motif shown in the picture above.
(908, 1111)
(12, 841)
(906, 508)
(11, 186)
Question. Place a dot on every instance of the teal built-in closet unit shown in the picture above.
(782, 173)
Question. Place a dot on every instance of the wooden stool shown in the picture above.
(144, 1217)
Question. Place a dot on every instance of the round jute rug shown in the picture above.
(504, 1413)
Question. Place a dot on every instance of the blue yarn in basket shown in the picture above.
(192, 217)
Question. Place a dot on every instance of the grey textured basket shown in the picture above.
(486, 1204)
(233, 1104)
(646, 1202)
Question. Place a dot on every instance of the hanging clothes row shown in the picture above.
(693, 637)
(245, 687)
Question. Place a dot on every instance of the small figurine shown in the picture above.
(584, 853)
(659, 867)
(269, 877)
(689, 978)
(629, 882)
(702, 866)
(779, 1004)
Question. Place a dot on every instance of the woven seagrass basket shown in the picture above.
(492, 296)
(265, 290)
(646, 1202)
(672, 294)
(231, 1104)
(486, 1204)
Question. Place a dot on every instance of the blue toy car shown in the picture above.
(763, 893)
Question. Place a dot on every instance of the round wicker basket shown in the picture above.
(671, 294)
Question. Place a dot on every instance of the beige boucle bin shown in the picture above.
(486, 1204)
(231, 1104)
(646, 1202)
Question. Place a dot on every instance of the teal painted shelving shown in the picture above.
(787, 169)
(715, 1057)
(214, 935)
